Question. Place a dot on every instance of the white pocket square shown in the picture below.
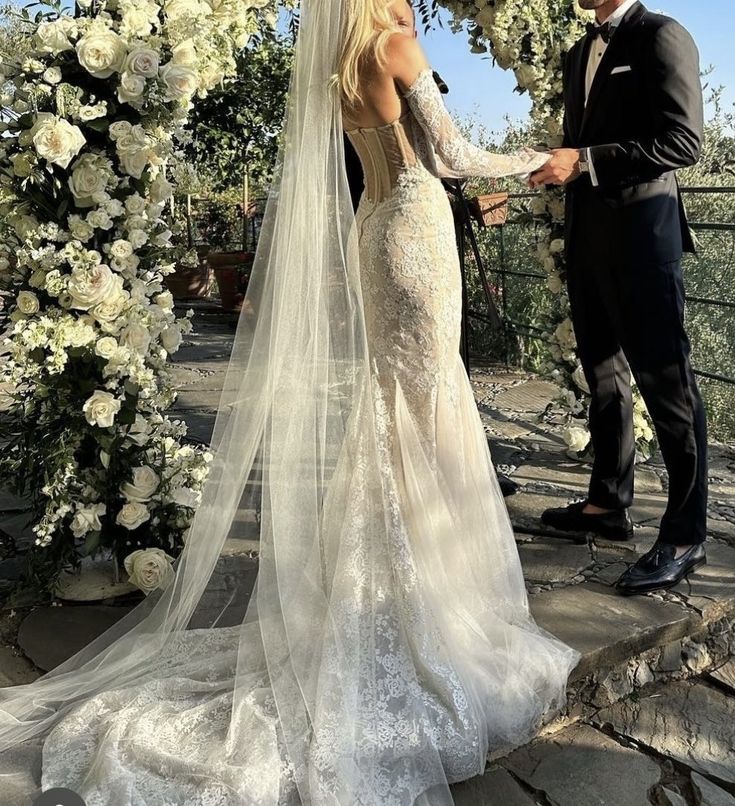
(625, 68)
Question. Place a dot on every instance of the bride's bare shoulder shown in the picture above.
(405, 59)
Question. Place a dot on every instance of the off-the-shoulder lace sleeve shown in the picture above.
(457, 157)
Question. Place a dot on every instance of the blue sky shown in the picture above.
(478, 87)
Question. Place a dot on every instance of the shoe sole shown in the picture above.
(639, 591)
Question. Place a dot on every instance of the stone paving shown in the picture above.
(651, 711)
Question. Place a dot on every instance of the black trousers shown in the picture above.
(629, 316)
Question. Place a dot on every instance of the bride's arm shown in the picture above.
(460, 158)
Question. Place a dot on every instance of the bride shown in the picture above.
(388, 647)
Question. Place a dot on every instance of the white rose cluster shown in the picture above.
(91, 165)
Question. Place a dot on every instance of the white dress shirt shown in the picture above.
(597, 51)
(599, 46)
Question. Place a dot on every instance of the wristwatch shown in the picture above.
(584, 162)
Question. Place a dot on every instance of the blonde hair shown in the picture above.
(366, 27)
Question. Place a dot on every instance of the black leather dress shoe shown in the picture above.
(659, 569)
(615, 525)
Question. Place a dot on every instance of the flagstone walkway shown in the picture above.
(652, 704)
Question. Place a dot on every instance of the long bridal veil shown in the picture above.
(343, 679)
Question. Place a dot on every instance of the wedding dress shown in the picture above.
(388, 647)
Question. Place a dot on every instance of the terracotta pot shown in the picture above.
(232, 270)
(189, 282)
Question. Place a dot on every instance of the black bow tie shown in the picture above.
(605, 31)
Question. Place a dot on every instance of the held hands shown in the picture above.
(561, 169)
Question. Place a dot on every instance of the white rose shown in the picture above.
(79, 228)
(87, 179)
(171, 339)
(576, 438)
(109, 311)
(164, 300)
(27, 303)
(144, 484)
(181, 80)
(142, 62)
(121, 249)
(135, 204)
(52, 75)
(150, 569)
(131, 516)
(87, 519)
(100, 409)
(106, 347)
(175, 9)
(134, 163)
(184, 53)
(120, 128)
(55, 139)
(138, 238)
(88, 287)
(136, 337)
(52, 38)
(101, 52)
(131, 88)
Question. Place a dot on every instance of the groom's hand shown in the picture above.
(562, 168)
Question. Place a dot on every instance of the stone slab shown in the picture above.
(547, 469)
(608, 628)
(15, 668)
(711, 588)
(582, 766)
(197, 400)
(92, 582)
(525, 510)
(532, 396)
(725, 676)
(51, 635)
(497, 786)
(690, 723)
(547, 561)
(648, 508)
(610, 574)
(11, 502)
(17, 526)
(671, 798)
(710, 794)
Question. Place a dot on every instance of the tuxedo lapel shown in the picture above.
(603, 71)
(578, 76)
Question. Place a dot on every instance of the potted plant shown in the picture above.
(193, 277)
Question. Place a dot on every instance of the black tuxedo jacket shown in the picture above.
(642, 121)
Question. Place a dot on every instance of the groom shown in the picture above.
(633, 115)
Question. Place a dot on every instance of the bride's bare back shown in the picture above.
(381, 101)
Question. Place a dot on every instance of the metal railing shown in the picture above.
(532, 331)
(709, 281)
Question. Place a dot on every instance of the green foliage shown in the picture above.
(239, 124)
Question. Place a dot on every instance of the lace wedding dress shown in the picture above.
(397, 650)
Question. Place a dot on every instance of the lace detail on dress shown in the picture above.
(457, 157)
(427, 658)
